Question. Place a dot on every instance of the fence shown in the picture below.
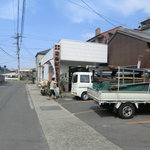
(2, 78)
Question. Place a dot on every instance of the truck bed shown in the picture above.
(119, 96)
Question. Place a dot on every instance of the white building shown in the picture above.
(38, 57)
(69, 56)
(11, 76)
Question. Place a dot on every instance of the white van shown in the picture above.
(80, 82)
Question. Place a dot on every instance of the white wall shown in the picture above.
(146, 30)
(48, 57)
(83, 51)
(46, 72)
(75, 53)
(38, 68)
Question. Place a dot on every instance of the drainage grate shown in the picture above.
(50, 108)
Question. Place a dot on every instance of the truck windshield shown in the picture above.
(75, 78)
(84, 79)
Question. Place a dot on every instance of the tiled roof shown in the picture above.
(101, 34)
(42, 52)
(141, 35)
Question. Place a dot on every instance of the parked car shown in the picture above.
(80, 82)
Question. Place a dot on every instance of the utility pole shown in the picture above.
(18, 41)
(19, 36)
(18, 55)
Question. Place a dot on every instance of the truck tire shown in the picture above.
(84, 96)
(126, 111)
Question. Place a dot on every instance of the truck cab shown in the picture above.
(80, 82)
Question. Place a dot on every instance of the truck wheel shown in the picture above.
(126, 111)
(84, 96)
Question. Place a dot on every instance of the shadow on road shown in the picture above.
(103, 112)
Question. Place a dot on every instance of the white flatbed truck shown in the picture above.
(123, 102)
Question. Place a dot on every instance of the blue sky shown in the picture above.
(48, 21)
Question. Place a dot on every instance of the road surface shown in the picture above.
(20, 128)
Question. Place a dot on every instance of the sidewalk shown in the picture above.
(63, 130)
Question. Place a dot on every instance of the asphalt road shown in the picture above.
(130, 134)
(19, 125)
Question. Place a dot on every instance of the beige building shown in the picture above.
(38, 57)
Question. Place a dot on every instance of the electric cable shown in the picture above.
(22, 20)
(6, 52)
(97, 13)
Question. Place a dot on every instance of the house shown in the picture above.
(13, 75)
(129, 47)
(67, 57)
(104, 36)
(38, 57)
(27, 73)
(145, 25)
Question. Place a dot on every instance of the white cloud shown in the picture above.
(78, 14)
(75, 11)
(129, 7)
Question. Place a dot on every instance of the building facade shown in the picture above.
(129, 47)
(38, 58)
(67, 57)
(103, 37)
(145, 25)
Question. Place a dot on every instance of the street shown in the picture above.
(19, 125)
(20, 128)
(130, 134)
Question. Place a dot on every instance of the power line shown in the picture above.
(33, 47)
(113, 20)
(17, 40)
(18, 15)
(97, 13)
(7, 62)
(23, 20)
(39, 37)
(6, 52)
(29, 53)
(6, 35)
(77, 4)
(20, 34)
(7, 45)
(13, 5)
